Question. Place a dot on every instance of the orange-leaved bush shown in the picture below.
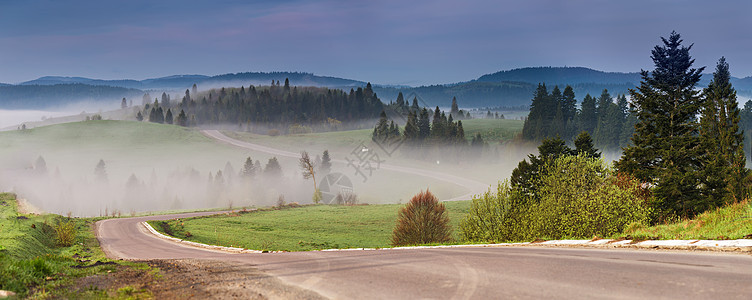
(422, 221)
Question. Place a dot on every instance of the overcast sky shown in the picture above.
(385, 42)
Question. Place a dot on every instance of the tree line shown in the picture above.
(273, 106)
(685, 145)
(607, 120)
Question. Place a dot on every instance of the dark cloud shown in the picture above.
(395, 42)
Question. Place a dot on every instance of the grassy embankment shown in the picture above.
(733, 221)
(33, 264)
(300, 228)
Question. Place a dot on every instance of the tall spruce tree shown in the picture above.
(411, 128)
(542, 110)
(424, 125)
(455, 108)
(666, 145)
(588, 117)
(723, 141)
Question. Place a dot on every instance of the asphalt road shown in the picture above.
(468, 273)
(462, 273)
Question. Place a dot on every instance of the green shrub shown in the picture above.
(422, 221)
(580, 197)
(495, 217)
(65, 232)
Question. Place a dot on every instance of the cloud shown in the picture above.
(421, 42)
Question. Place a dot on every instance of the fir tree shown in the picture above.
(182, 119)
(723, 141)
(584, 145)
(100, 171)
(400, 101)
(411, 128)
(273, 169)
(588, 117)
(168, 117)
(455, 108)
(666, 144)
(424, 125)
(381, 130)
(326, 163)
(249, 169)
(415, 106)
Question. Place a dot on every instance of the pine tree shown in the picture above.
(460, 138)
(139, 116)
(411, 128)
(382, 129)
(538, 121)
(437, 126)
(588, 117)
(273, 169)
(424, 125)
(400, 101)
(455, 108)
(168, 117)
(724, 160)
(415, 106)
(123, 104)
(100, 171)
(182, 119)
(569, 103)
(249, 170)
(326, 163)
(666, 144)
(584, 145)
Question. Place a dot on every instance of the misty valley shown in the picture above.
(241, 167)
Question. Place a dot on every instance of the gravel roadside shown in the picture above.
(195, 279)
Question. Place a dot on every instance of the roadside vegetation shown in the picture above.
(42, 255)
(422, 221)
(730, 222)
(684, 172)
(300, 228)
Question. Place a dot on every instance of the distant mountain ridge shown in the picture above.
(561, 75)
(179, 82)
(504, 88)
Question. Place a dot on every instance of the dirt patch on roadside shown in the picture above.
(192, 278)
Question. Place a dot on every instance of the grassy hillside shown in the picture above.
(300, 228)
(492, 130)
(32, 262)
(729, 222)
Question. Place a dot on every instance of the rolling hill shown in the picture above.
(510, 88)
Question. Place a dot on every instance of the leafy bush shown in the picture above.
(579, 197)
(496, 217)
(65, 233)
(423, 220)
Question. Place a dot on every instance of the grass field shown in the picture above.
(32, 263)
(492, 130)
(300, 228)
(730, 222)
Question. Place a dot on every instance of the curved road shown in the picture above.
(464, 273)
(474, 187)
